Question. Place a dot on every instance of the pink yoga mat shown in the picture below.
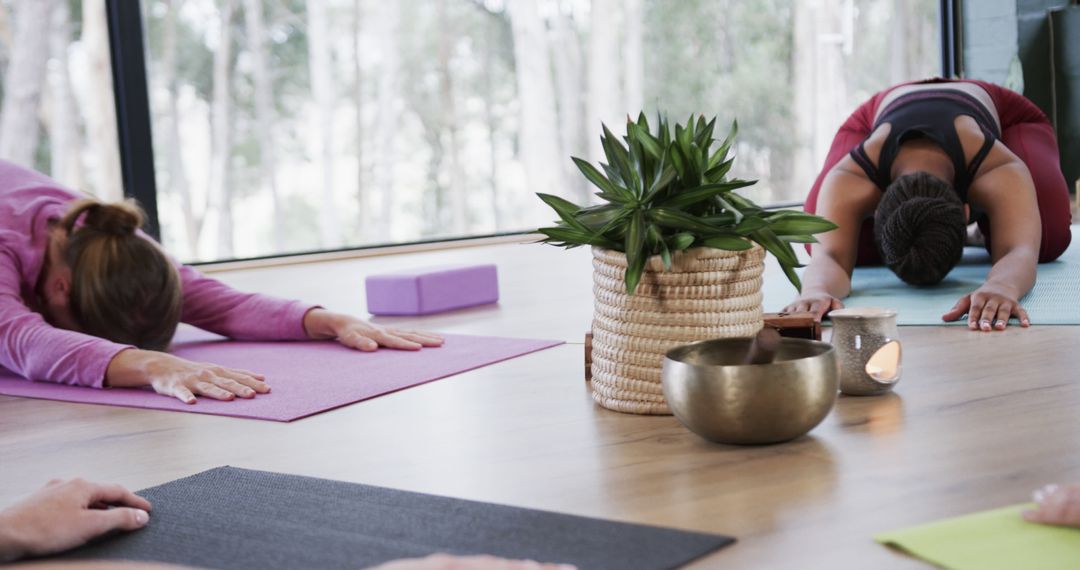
(306, 377)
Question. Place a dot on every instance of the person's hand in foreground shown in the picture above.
(988, 309)
(813, 302)
(359, 334)
(67, 514)
(447, 562)
(182, 379)
(1056, 506)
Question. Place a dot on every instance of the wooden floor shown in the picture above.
(978, 421)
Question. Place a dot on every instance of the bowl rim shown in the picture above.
(670, 354)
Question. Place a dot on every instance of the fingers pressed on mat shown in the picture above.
(359, 342)
(390, 340)
(1025, 321)
(423, 335)
(211, 391)
(957, 309)
(233, 386)
(122, 518)
(986, 319)
(255, 384)
(242, 372)
(184, 395)
(1003, 313)
(420, 338)
(117, 495)
(974, 312)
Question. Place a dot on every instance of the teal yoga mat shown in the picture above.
(1055, 300)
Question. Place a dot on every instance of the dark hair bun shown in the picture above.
(120, 219)
(920, 228)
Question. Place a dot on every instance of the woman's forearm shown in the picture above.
(1015, 271)
(320, 324)
(825, 275)
(129, 369)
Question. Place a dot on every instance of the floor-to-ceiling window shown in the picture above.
(282, 126)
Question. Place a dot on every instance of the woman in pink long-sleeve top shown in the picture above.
(86, 299)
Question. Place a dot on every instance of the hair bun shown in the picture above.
(121, 218)
(921, 240)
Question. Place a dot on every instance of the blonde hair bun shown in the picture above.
(120, 218)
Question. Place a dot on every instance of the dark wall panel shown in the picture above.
(1065, 29)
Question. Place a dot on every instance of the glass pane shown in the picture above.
(293, 125)
(57, 113)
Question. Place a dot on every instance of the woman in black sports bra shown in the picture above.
(930, 115)
(904, 177)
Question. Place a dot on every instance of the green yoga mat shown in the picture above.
(990, 540)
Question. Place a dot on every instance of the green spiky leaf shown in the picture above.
(729, 243)
(682, 241)
(565, 209)
(792, 223)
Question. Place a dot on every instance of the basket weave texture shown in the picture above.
(708, 293)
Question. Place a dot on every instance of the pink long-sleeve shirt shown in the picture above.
(33, 348)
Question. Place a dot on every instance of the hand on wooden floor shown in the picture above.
(1058, 506)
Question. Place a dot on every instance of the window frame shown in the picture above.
(131, 94)
(951, 29)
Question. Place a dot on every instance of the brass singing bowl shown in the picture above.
(716, 396)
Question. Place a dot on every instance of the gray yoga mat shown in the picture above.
(1055, 299)
(238, 518)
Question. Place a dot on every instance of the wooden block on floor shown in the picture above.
(794, 325)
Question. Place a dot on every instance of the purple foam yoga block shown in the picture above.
(432, 290)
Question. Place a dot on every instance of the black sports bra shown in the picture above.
(930, 114)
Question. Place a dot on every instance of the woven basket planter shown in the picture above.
(708, 293)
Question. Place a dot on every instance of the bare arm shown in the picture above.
(1015, 227)
(847, 198)
(1007, 193)
(211, 305)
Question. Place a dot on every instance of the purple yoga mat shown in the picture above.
(306, 377)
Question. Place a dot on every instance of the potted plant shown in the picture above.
(678, 254)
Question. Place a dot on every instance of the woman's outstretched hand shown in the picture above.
(182, 379)
(813, 302)
(1057, 506)
(66, 514)
(988, 309)
(359, 334)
